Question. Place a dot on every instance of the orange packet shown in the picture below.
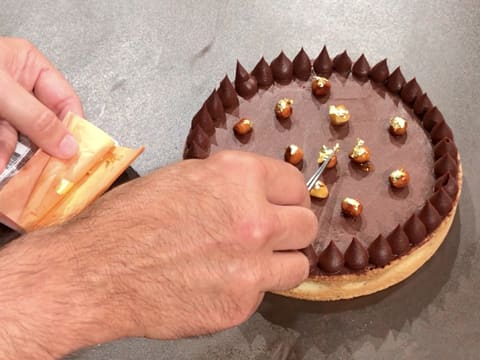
(44, 183)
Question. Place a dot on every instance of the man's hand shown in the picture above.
(33, 97)
(188, 250)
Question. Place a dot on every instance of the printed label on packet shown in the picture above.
(23, 152)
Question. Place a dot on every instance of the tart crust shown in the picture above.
(347, 286)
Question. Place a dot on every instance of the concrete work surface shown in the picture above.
(143, 69)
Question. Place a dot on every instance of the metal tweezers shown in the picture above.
(311, 182)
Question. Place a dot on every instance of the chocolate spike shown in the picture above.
(312, 257)
(442, 202)
(245, 84)
(422, 104)
(215, 108)
(429, 216)
(398, 241)
(323, 65)
(380, 252)
(342, 63)
(228, 95)
(361, 68)
(446, 164)
(379, 73)
(431, 118)
(415, 229)
(331, 259)
(282, 69)
(241, 74)
(356, 256)
(448, 183)
(199, 136)
(441, 131)
(263, 74)
(395, 81)
(195, 151)
(203, 119)
(302, 67)
(410, 91)
(445, 146)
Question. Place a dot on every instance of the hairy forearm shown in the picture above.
(48, 307)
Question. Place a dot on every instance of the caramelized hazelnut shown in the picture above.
(243, 126)
(398, 126)
(293, 154)
(351, 207)
(320, 86)
(399, 178)
(360, 152)
(283, 108)
(319, 190)
(325, 152)
(339, 115)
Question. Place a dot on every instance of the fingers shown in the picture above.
(53, 90)
(40, 76)
(282, 183)
(296, 227)
(8, 141)
(30, 117)
(285, 185)
(286, 270)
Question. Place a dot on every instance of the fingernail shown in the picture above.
(68, 146)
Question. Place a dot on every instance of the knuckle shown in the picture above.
(45, 123)
(258, 230)
(243, 162)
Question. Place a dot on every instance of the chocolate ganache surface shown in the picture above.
(309, 127)
(394, 221)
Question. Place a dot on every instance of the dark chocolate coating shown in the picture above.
(445, 146)
(263, 74)
(356, 256)
(431, 118)
(430, 216)
(379, 73)
(361, 68)
(199, 136)
(442, 202)
(410, 91)
(282, 69)
(228, 95)
(342, 63)
(195, 151)
(245, 85)
(302, 67)
(203, 118)
(215, 109)
(331, 259)
(398, 241)
(446, 164)
(440, 131)
(323, 65)
(448, 183)
(380, 252)
(422, 104)
(395, 81)
(415, 230)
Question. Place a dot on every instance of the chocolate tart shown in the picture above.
(399, 229)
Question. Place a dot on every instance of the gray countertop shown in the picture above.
(143, 68)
